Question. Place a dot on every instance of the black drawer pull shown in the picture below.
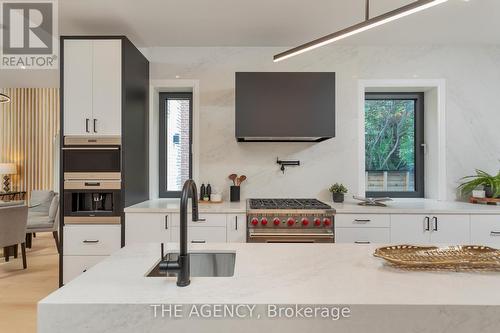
(91, 241)
(495, 233)
(199, 241)
(92, 184)
(362, 220)
(362, 242)
(166, 221)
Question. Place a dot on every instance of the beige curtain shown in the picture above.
(29, 125)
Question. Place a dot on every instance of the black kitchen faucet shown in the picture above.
(181, 265)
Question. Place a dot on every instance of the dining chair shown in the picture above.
(13, 221)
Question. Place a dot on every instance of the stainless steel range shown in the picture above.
(289, 221)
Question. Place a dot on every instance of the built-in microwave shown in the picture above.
(91, 200)
(92, 155)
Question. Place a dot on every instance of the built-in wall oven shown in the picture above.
(92, 180)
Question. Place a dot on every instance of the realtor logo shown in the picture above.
(29, 34)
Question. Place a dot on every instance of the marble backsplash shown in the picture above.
(472, 75)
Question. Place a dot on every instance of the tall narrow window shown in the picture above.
(394, 155)
(175, 142)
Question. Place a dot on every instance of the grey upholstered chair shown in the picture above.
(44, 215)
(13, 220)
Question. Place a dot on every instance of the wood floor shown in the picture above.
(20, 290)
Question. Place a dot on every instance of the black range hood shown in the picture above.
(285, 106)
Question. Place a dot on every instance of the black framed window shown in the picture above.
(394, 139)
(176, 114)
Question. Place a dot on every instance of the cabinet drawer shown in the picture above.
(76, 265)
(363, 235)
(202, 234)
(211, 220)
(363, 220)
(485, 230)
(91, 240)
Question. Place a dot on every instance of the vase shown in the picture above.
(488, 191)
(338, 197)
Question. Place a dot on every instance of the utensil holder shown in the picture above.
(234, 194)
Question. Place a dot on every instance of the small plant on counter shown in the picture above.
(490, 184)
(338, 191)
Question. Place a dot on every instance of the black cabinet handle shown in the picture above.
(362, 220)
(87, 125)
(362, 242)
(435, 219)
(91, 241)
(200, 241)
(427, 226)
(92, 184)
(236, 223)
(166, 221)
(495, 233)
(95, 125)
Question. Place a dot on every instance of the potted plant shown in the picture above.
(490, 184)
(338, 191)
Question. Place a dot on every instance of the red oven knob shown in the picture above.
(291, 222)
(255, 221)
(276, 221)
(317, 222)
(327, 222)
(305, 221)
(263, 221)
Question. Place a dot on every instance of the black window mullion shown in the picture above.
(418, 144)
(163, 151)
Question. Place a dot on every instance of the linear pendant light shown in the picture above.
(369, 23)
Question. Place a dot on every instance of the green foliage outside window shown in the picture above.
(390, 135)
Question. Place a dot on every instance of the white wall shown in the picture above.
(472, 75)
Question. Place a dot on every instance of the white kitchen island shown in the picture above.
(115, 295)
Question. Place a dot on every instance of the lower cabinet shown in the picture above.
(86, 245)
(147, 227)
(76, 265)
(485, 230)
(201, 234)
(236, 228)
(158, 227)
(417, 229)
(430, 229)
(362, 235)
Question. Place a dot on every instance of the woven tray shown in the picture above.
(462, 257)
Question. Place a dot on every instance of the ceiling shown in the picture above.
(152, 23)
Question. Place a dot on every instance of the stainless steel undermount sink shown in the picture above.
(220, 264)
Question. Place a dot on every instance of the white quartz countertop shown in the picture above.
(416, 206)
(277, 274)
(173, 206)
(397, 206)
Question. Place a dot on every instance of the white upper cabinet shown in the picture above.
(92, 87)
(77, 87)
(106, 87)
